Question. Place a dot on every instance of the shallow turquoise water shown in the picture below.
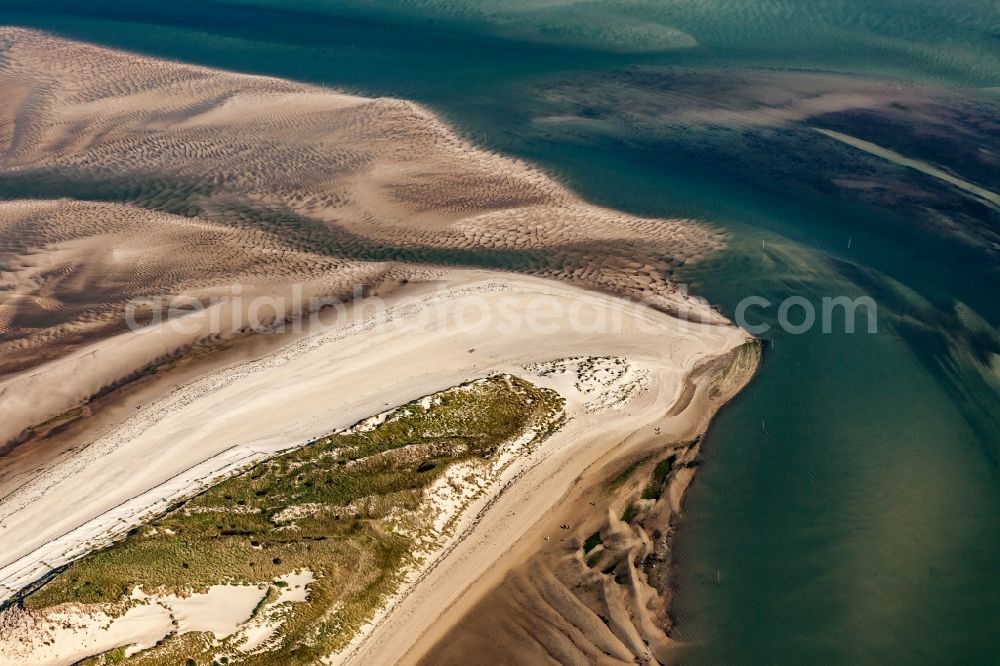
(846, 514)
(849, 507)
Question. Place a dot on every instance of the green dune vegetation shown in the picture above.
(349, 507)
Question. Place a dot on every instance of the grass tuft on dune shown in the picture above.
(350, 507)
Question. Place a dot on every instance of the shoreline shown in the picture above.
(537, 549)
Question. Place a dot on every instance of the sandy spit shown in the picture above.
(423, 341)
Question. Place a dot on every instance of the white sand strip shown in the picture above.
(917, 165)
(418, 345)
(74, 632)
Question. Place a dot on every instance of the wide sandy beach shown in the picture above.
(422, 339)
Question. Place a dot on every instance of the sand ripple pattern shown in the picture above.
(210, 178)
(69, 268)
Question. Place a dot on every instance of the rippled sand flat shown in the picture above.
(222, 179)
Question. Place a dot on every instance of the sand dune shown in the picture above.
(337, 376)
(584, 585)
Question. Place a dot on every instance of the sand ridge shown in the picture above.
(517, 588)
